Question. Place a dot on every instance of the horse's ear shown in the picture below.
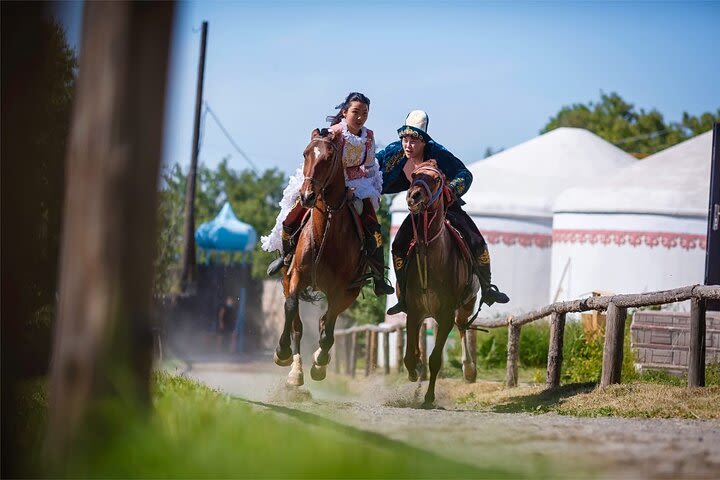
(314, 133)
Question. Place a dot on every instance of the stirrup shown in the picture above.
(397, 308)
(278, 263)
(275, 266)
(382, 288)
(494, 295)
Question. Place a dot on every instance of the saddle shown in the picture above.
(459, 241)
(464, 250)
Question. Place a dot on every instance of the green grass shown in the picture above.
(197, 432)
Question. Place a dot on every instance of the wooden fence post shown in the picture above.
(368, 352)
(386, 351)
(374, 335)
(423, 350)
(555, 352)
(348, 351)
(103, 333)
(696, 355)
(471, 344)
(511, 373)
(613, 350)
(336, 356)
(400, 348)
(352, 366)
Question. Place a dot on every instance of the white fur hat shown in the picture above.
(418, 119)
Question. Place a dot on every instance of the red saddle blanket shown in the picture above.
(459, 241)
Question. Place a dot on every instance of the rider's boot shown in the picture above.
(288, 248)
(401, 275)
(490, 293)
(376, 260)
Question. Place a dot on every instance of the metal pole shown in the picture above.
(712, 252)
(188, 261)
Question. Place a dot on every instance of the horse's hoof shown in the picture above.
(427, 405)
(318, 356)
(318, 372)
(283, 362)
(296, 380)
(469, 372)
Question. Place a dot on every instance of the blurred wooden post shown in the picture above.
(348, 349)
(471, 344)
(613, 350)
(511, 373)
(336, 356)
(423, 350)
(696, 356)
(368, 351)
(555, 352)
(400, 348)
(374, 356)
(386, 351)
(352, 366)
(103, 341)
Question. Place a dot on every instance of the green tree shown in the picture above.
(638, 132)
(38, 84)
(253, 197)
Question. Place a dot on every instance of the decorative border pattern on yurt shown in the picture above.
(617, 237)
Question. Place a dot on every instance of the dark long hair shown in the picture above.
(352, 97)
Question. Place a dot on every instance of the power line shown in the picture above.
(232, 141)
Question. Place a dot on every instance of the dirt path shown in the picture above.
(545, 445)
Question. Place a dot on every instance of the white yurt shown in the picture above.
(511, 200)
(641, 229)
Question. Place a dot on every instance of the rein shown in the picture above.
(329, 211)
(434, 197)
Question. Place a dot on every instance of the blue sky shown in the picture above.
(489, 74)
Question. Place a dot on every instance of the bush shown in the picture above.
(582, 355)
(534, 338)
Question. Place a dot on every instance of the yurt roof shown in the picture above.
(525, 180)
(675, 181)
(226, 233)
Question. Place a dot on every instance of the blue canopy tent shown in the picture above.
(225, 233)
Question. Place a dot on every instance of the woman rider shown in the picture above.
(397, 162)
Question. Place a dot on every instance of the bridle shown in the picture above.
(433, 198)
(329, 210)
(336, 160)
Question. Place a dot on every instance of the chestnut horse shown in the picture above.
(440, 281)
(328, 255)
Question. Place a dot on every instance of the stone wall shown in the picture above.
(661, 339)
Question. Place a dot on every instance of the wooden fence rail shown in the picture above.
(615, 305)
(350, 338)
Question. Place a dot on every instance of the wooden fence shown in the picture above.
(615, 305)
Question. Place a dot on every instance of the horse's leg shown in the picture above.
(283, 353)
(295, 377)
(445, 324)
(321, 357)
(468, 363)
(412, 352)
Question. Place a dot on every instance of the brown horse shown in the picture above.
(328, 255)
(440, 282)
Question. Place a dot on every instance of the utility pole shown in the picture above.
(187, 279)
